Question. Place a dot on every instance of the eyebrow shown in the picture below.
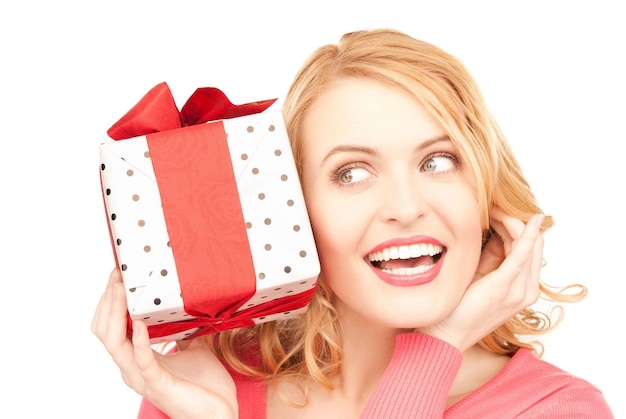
(370, 151)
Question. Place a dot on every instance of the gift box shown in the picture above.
(206, 215)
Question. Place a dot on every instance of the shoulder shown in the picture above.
(526, 370)
(530, 387)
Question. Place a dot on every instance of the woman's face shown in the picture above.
(393, 209)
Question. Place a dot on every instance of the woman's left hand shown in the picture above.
(506, 282)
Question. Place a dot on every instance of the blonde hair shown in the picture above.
(310, 345)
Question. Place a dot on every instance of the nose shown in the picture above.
(403, 199)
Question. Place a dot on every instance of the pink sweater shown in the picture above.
(418, 379)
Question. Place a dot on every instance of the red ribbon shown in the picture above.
(204, 218)
(230, 321)
(201, 207)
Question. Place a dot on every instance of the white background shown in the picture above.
(552, 72)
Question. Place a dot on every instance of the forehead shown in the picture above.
(363, 109)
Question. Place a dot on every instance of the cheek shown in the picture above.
(468, 234)
(459, 210)
(328, 226)
(337, 227)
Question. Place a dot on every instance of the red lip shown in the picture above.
(408, 280)
(412, 280)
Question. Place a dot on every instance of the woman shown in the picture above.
(430, 244)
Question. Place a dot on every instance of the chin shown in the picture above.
(410, 318)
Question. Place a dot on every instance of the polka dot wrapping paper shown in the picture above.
(209, 226)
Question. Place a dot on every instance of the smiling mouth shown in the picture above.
(407, 260)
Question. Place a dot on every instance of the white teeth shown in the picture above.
(406, 252)
(409, 271)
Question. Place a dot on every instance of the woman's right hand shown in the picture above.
(187, 384)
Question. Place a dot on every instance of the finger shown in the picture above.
(141, 342)
(530, 277)
(524, 263)
(118, 315)
(507, 227)
(97, 314)
(112, 324)
(101, 316)
(121, 348)
(145, 356)
(524, 245)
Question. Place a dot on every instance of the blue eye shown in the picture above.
(440, 164)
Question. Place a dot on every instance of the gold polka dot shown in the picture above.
(250, 128)
(283, 177)
(248, 224)
(268, 247)
(268, 221)
(146, 154)
(168, 244)
(244, 156)
(129, 172)
(296, 228)
(302, 253)
(141, 223)
(147, 249)
(261, 275)
(255, 171)
(135, 197)
(277, 152)
(287, 269)
(290, 203)
(163, 272)
(261, 196)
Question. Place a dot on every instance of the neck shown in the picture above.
(368, 348)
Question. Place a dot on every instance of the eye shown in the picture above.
(351, 174)
(440, 163)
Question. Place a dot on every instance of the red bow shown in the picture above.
(157, 111)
